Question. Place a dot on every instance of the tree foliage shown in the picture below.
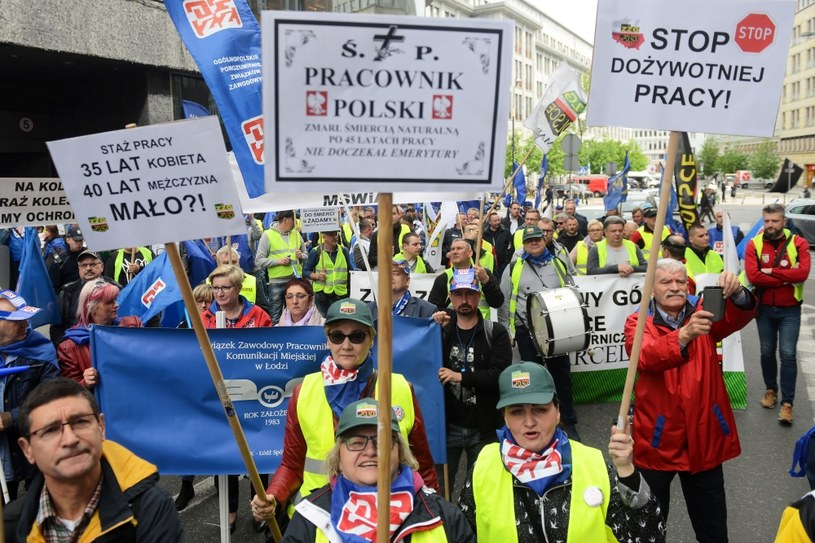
(731, 160)
(598, 153)
(765, 162)
(709, 156)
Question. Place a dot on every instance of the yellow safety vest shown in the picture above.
(279, 249)
(792, 253)
(120, 258)
(518, 239)
(630, 248)
(336, 273)
(648, 236)
(515, 278)
(249, 287)
(403, 229)
(713, 263)
(317, 424)
(420, 267)
(487, 260)
(483, 306)
(582, 257)
(495, 502)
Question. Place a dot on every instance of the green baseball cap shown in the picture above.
(349, 309)
(525, 383)
(363, 412)
(532, 232)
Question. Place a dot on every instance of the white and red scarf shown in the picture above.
(537, 470)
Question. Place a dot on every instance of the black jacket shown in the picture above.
(440, 291)
(491, 358)
(502, 241)
(427, 505)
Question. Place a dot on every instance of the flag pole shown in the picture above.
(218, 380)
(650, 274)
(509, 182)
(477, 256)
(384, 255)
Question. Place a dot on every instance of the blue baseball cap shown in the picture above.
(22, 311)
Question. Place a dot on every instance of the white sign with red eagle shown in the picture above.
(713, 66)
(386, 103)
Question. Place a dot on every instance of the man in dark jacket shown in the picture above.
(20, 348)
(110, 492)
(405, 304)
(501, 240)
(474, 353)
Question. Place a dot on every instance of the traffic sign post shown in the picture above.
(570, 145)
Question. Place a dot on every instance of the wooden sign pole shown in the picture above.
(650, 274)
(218, 379)
(384, 256)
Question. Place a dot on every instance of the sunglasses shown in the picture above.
(338, 338)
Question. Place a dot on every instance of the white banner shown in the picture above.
(696, 66)
(154, 184)
(33, 201)
(387, 103)
(361, 289)
(319, 220)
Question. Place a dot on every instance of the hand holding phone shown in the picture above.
(713, 301)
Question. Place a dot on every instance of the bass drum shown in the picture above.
(558, 322)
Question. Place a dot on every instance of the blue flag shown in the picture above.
(194, 109)
(240, 243)
(544, 169)
(200, 261)
(150, 291)
(159, 410)
(268, 219)
(617, 186)
(519, 182)
(464, 205)
(750, 235)
(224, 40)
(34, 284)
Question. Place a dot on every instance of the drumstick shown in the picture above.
(650, 274)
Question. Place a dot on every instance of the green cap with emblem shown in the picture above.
(349, 309)
(525, 383)
(532, 232)
(363, 412)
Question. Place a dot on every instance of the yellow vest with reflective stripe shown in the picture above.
(582, 257)
(336, 273)
(647, 237)
(515, 279)
(249, 289)
(487, 260)
(420, 267)
(495, 500)
(317, 424)
(713, 263)
(630, 248)
(278, 249)
(483, 306)
(792, 253)
(120, 258)
(518, 238)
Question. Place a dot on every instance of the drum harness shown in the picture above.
(565, 278)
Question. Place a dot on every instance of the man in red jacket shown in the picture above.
(683, 421)
(777, 263)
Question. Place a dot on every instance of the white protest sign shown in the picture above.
(361, 289)
(154, 184)
(319, 220)
(713, 66)
(385, 103)
(33, 201)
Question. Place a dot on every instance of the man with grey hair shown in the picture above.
(685, 425)
(777, 263)
(615, 254)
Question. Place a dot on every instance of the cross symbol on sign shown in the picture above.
(386, 39)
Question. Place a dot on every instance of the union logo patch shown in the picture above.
(520, 379)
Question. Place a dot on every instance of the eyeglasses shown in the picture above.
(338, 338)
(547, 232)
(359, 443)
(296, 296)
(223, 289)
(79, 424)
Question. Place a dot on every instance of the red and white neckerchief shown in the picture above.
(335, 375)
(529, 466)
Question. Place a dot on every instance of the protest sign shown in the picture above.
(361, 289)
(697, 66)
(33, 202)
(384, 102)
(319, 220)
(159, 411)
(154, 184)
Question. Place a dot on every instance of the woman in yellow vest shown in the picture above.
(346, 375)
(345, 510)
(538, 485)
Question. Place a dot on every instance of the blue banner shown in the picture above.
(224, 40)
(544, 169)
(169, 413)
(617, 187)
(519, 182)
(150, 291)
(200, 262)
(194, 109)
(34, 284)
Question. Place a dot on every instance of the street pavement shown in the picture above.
(757, 482)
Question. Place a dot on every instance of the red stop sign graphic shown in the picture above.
(755, 33)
